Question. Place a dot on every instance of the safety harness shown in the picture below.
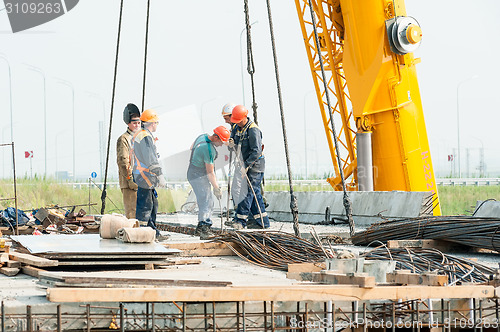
(206, 140)
(138, 164)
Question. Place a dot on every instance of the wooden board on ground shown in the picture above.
(268, 293)
(301, 276)
(112, 262)
(440, 245)
(405, 277)
(59, 256)
(306, 267)
(32, 260)
(14, 264)
(203, 249)
(333, 277)
(9, 271)
(32, 271)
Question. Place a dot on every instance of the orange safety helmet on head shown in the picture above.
(239, 114)
(223, 133)
(149, 116)
(228, 109)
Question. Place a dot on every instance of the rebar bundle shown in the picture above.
(472, 231)
(272, 249)
(432, 260)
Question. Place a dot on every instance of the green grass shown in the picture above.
(454, 200)
(36, 193)
(462, 200)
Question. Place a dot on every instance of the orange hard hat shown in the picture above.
(228, 109)
(239, 114)
(149, 116)
(223, 133)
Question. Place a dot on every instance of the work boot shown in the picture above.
(197, 231)
(206, 232)
(162, 236)
(234, 224)
(256, 226)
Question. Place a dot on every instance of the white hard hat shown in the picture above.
(228, 109)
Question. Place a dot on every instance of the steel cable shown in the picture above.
(478, 232)
(272, 249)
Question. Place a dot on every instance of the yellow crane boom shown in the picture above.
(367, 51)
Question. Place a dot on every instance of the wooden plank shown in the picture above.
(4, 257)
(406, 278)
(145, 281)
(62, 256)
(335, 278)
(424, 243)
(31, 271)
(268, 293)
(202, 249)
(110, 262)
(32, 260)
(9, 271)
(306, 267)
(302, 276)
(15, 264)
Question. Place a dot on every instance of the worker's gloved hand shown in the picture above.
(230, 143)
(218, 193)
(131, 184)
(162, 183)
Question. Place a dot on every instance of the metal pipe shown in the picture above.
(38, 70)
(88, 317)
(184, 317)
(122, 319)
(15, 187)
(3, 317)
(213, 318)
(59, 318)
(365, 161)
(10, 97)
(29, 322)
(153, 327)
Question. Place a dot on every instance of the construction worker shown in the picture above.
(201, 174)
(227, 110)
(131, 117)
(147, 171)
(246, 140)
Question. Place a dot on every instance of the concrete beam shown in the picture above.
(366, 206)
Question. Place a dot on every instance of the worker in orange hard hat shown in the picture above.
(201, 175)
(246, 140)
(147, 171)
(131, 117)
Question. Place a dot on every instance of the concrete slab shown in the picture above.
(487, 209)
(367, 207)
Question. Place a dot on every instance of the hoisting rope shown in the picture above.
(103, 195)
(293, 198)
(346, 201)
(250, 65)
(145, 58)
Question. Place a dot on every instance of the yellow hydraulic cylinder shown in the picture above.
(385, 95)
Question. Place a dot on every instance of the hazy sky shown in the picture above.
(194, 60)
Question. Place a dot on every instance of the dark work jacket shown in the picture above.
(250, 139)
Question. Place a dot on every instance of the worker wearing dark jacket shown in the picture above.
(128, 187)
(246, 139)
(201, 176)
(147, 171)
